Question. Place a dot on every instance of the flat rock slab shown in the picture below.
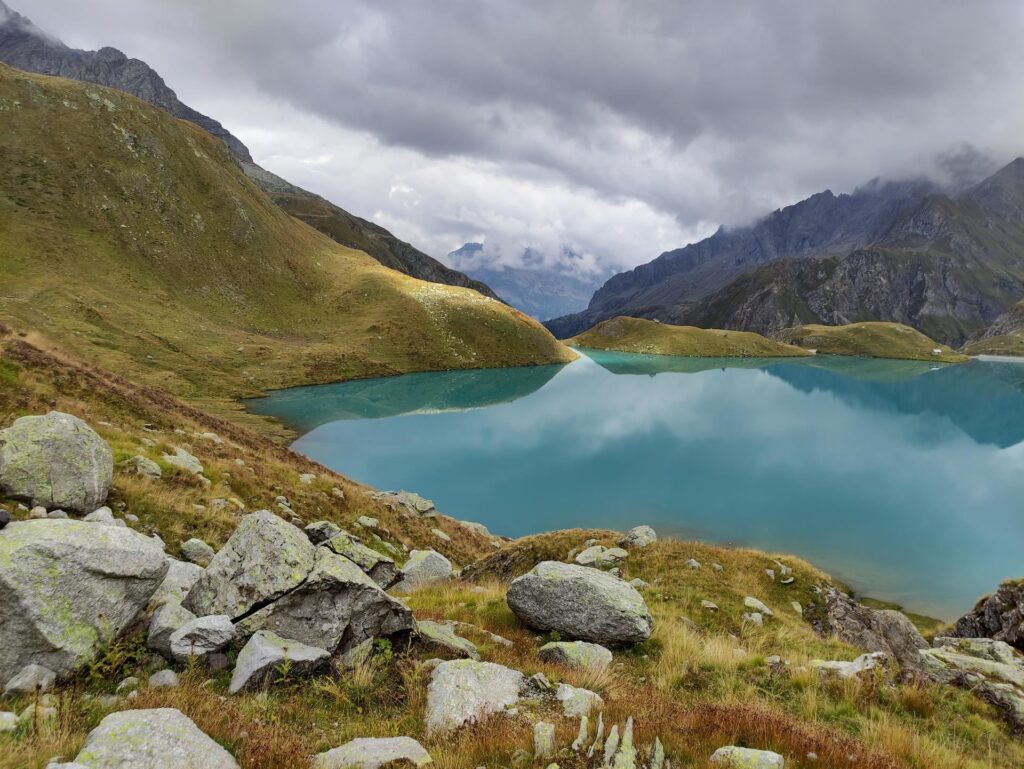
(163, 738)
(372, 753)
(465, 691)
(68, 587)
(580, 603)
(265, 656)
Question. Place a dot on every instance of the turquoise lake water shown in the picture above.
(903, 479)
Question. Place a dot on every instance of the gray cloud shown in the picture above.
(548, 124)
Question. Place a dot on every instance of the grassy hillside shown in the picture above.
(1004, 337)
(132, 238)
(870, 340)
(625, 334)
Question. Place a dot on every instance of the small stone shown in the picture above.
(787, 581)
(338, 493)
(638, 536)
(638, 583)
(164, 679)
(142, 466)
(576, 654)
(577, 702)
(197, 551)
(57, 515)
(367, 522)
(693, 563)
(184, 461)
(30, 679)
(440, 535)
(752, 603)
(202, 636)
(716, 566)
(862, 664)
(8, 722)
(709, 606)
(754, 617)
(41, 715)
(103, 515)
(130, 684)
(307, 478)
(167, 620)
(443, 635)
(770, 573)
(798, 608)
(543, 740)
(373, 753)
(733, 757)
(37, 512)
(131, 518)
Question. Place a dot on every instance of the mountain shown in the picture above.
(25, 46)
(945, 264)
(1004, 337)
(822, 224)
(535, 288)
(134, 239)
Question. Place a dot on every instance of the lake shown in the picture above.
(904, 479)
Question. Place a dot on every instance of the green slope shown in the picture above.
(625, 334)
(870, 340)
(133, 239)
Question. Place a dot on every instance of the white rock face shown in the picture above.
(638, 536)
(423, 566)
(162, 738)
(201, 637)
(466, 691)
(372, 753)
(580, 603)
(68, 587)
(56, 461)
(732, 757)
(262, 656)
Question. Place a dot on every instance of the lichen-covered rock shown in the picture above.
(31, 679)
(197, 551)
(373, 753)
(163, 738)
(580, 603)
(336, 607)
(142, 466)
(758, 606)
(843, 669)
(180, 578)
(56, 461)
(466, 691)
(638, 536)
(576, 654)
(183, 460)
(543, 741)
(600, 557)
(422, 567)
(103, 515)
(441, 634)
(263, 559)
(732, 757)
(577, 702)
(201, 637)
(68, 587)
(999, 616)
(265, 656)
(870, 630)
(381, 569)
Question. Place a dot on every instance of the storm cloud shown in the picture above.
(615, 129)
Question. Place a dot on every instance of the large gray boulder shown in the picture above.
(373, 753)
(163, 738)
(336, 607)
(263, 559)
(466, 691)
(67, 588)
(999, 616)
(56, 461)
(381, 568)
(264, 655)
(580, 603)
(423, 566)
(870, 630)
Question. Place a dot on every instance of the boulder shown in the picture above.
(862, 664)
(103, 515)
(580, 603)
(321, 531)
(999, 616)
(638, 536)
(142, 466)
(197, 551)
(758, 606)
(732, 757)
(263, 559)
(30, 680)
(600, 557)
(163, 738)
(201, 637)
(576, 654)
(373, 753)
(263, 656)
(180, 578)
(577, 702)
(422, 567)
(465, 691)
(381, 569)
(442, 635)
(991, 669)
(56, 461)
(870, 630)
(336, 607)
(183, 460)
(67, 588)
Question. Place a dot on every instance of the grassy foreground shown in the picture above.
(871, 340)
(625, 334)
(134, 239)
(700, 682)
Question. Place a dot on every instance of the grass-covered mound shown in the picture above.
(134, 239)
(625, 334)
(870, 340)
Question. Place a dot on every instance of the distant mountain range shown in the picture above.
(535, 287)
(25, 46)
(947, 264)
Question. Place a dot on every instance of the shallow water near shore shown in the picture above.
(902, 478)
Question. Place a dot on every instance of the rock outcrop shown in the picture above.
(67, 587)
(56, 461)
(999, 616)
(580, 603)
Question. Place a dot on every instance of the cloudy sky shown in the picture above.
(617, 129)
